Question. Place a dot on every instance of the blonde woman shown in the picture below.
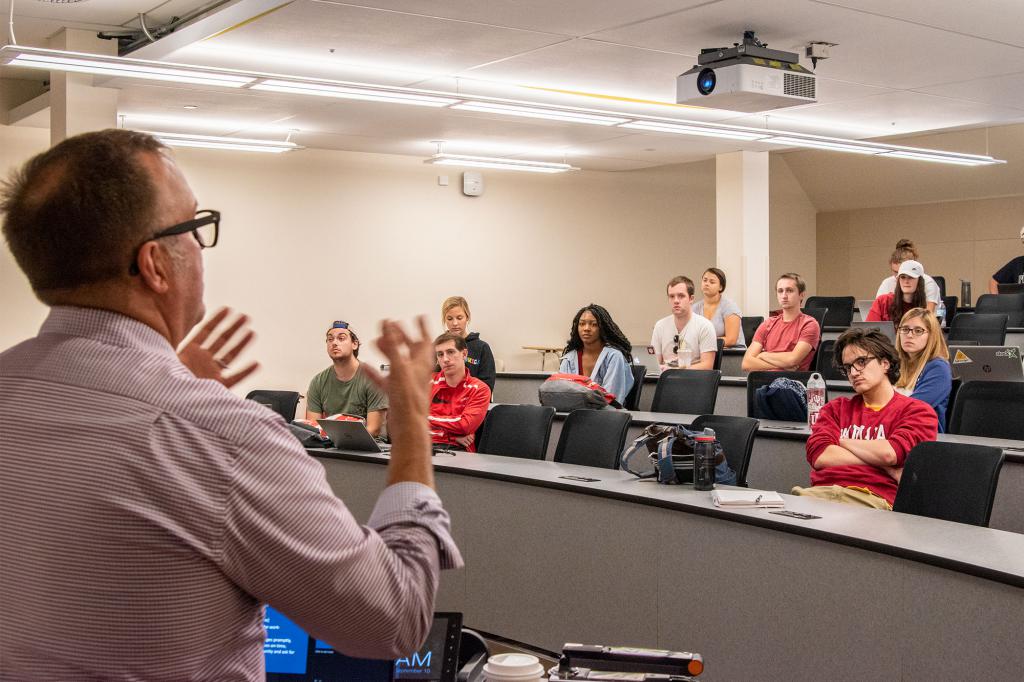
(480, 361)
(925, 373)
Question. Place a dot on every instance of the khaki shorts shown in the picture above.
(838, 493)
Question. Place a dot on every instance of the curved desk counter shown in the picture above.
(858, 594)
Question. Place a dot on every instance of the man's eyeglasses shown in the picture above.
(860, 363)
(913, 331)
(205, 227)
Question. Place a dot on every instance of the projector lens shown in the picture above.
(706, 81)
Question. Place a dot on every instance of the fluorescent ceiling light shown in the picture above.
(685, 129)
(354, 91)
(233, 143)
(568, 115)
(836, 146)
(498, 163)
(941, 157)
(58, 60)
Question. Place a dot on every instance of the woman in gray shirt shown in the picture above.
(721, 310)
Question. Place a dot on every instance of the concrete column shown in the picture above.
(741, 202)
(76, 106)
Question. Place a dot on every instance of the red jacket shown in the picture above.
(904, 422)
(881, 308)
(457, 411)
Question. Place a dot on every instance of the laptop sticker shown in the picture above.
(961, 358)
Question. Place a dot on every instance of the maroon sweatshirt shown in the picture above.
(904, 422)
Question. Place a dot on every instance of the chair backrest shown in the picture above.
(818, 314)
(991, 409)
(988, 329)
(282, 402)
(718, 353)
(951, 303)
(839, 309)
(593, 438)
(953, 390)
(632, 399)
(823, 362)
(736, 434)
(950, 481)
(1010, 304)
(517, 431)
(749, 326)
(940, 282)
(756, 380)
(687, 391)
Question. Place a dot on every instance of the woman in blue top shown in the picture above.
(925, 373)
(597, 348)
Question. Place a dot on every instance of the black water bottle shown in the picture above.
(704, 463)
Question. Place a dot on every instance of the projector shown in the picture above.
(746, 77)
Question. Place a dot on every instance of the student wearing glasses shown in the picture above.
(344, 388)
(858, 446)
(910, 293)
(788, 340)
(597, 348)
(684, 340)
(925, 373)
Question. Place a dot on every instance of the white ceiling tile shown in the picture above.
(999, 90)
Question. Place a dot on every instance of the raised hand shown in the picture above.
(203, 360)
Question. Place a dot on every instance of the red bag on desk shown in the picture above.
(568, 392)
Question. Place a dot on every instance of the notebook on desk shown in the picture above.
(351, 435)
(986, 363)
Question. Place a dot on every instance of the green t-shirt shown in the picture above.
(358, 396)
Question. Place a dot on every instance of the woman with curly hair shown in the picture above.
(597, 348)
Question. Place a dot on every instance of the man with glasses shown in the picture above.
(144, 545)
(684, 340)
(858, 445)
(344, 388)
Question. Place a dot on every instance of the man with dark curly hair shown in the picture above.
(858, 445)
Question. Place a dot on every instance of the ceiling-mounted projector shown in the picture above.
(746, 77)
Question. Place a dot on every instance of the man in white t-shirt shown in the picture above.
(684, 331)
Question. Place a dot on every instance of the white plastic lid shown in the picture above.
(513, 668)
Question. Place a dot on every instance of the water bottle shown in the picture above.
(815, 398)
(704, 462)
(940, 313)
(965, 293)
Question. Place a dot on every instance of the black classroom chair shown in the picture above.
(282, 402)
(632, 401)
(839, 309)
(818, 314)
(749, 326)
(823, 362)
(940, 282)
(1011, 305)
(756, 380)
(991, 409)
(953, 390)
(988, 329)
(687, 391)
(593, 438)
(517, 431)
(718, 354)
(736, 434)
(950, 481)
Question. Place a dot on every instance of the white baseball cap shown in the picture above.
(911, 268)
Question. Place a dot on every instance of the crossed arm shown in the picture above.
(756, 358)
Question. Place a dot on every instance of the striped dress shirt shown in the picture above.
(150, 515)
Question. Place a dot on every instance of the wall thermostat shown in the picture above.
(472, 183)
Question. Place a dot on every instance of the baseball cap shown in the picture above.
(911, 268)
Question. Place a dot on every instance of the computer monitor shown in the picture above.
(291, 655)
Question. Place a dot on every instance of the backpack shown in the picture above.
(666, 452)
(568, 392)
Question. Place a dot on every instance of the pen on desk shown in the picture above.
(757, 500)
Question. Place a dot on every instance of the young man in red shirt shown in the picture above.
(788, 340)
(458, 400)
(858, 445)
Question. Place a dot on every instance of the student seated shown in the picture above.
(788, 340)
(683, 331)
(719, 309)
(1011, 273)
(925, 373)
(458, 400)
(858, 445)
(480, 361)
(905, 250)
(911, 294)
(344, 388)
(597, 348)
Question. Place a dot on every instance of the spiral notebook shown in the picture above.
(747, 498)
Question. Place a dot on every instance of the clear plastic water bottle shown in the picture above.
(704, 462)
(940, 313)
(815, 398)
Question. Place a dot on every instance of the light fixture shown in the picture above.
(941, 157)
(827, 144)
(232, 143)
(78, 62)
(354, 91)
(568, 115)
(686, 129)
(442, 159)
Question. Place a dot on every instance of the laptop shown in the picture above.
(645, 356)
(351, 435)
(986, 363)
(886, 328)
(291, 655)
